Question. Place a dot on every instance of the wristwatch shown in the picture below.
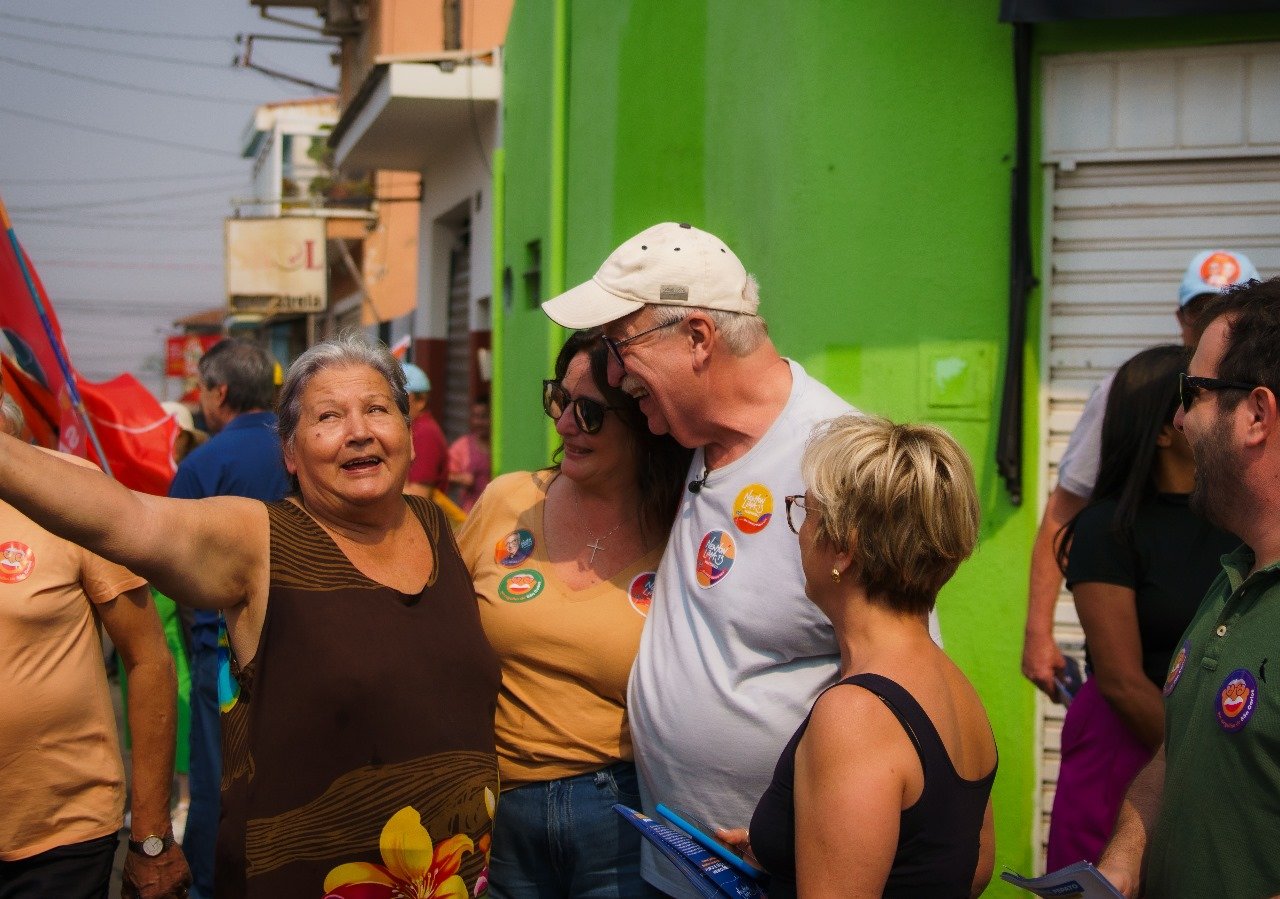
(152, 846)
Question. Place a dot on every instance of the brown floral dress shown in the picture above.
(358, 756)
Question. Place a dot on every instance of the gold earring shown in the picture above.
(835, 574)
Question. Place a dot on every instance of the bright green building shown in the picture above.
(858, 156)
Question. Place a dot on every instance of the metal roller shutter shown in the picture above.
(1122, 234)
(457, 402)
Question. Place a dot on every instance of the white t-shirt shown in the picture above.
(1078, 470)
(733, 654)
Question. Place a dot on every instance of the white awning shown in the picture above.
(407, 113)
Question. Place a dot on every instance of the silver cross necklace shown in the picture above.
(597, 543)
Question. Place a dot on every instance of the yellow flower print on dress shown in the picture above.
(413, 867)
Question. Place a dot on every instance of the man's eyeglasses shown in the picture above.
(1190, 385)
(588, 414)
(796, 511)
(615, 346)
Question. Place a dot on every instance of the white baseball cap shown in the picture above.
(667, 265)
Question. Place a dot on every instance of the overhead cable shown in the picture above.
(102, 29)
(124, 201)
(108, 51)
(151, 91)
(194, 148)
(130, 179)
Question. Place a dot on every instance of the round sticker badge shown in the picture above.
(1237, 698)
(715, 558)
(17, 561)
(1175, 670)
(514, 548)
(641, 592)
(1220, 270)
(521, 586)
(753, 509)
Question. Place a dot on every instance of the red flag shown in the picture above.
(38, 406)
(136, 435)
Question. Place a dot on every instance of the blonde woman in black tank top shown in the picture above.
(885, 788)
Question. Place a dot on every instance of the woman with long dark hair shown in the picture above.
(563, 561)
(1137, 561)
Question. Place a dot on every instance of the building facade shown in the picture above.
(863, 161)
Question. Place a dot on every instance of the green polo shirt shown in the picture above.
(1218, 834)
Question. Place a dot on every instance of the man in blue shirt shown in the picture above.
(237, 390)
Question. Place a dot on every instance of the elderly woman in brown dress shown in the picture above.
(358, 731)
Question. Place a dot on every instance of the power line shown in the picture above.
(131, 179)
(195, 148)
(92, 225)
(121, 201)
(99, 29)
(149, 57)
(125, 264)
(150, 91)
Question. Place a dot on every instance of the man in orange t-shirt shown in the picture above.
(61, 774)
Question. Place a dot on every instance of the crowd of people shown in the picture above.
(719, 595)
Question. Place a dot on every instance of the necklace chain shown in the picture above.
(596, 544)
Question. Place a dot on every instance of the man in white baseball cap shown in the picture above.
(732, 655)
(1208, 273)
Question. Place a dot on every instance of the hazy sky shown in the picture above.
(125, 228)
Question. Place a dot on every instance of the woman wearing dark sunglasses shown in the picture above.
(563, 561)
(1138, 561)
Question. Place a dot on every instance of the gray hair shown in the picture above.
(11, 420)
(347, 349)
(247, 370)
(741, 333)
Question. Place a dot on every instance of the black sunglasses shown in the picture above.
(588, 414)
(1190, 385)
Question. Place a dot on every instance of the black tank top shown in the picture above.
(937, 837)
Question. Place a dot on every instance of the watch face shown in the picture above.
(152, 846)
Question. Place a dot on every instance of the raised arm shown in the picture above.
(212, 552)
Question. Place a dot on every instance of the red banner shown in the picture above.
(136, 434)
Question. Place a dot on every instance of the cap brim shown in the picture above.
(588, 306)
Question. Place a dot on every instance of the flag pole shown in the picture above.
(67, 376)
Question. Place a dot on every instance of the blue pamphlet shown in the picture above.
(710, 876)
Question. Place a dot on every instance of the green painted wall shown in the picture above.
(856, 156)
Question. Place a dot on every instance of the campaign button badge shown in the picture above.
(753, 509)
(1176, 669)
(17, 561)
(1237, 698)
(640, 593)
(521, 586)
(514, 548)
(715, 558)
(1220, 270)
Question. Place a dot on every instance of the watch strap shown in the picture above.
(139, 846)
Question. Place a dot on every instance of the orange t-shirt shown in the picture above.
(61, 775)
(566, 654)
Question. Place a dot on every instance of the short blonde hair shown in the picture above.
(900, 498)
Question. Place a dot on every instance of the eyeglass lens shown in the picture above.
(588, 414)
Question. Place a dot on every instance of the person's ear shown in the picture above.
(1262, 417)
(290, 465)
(702, 337)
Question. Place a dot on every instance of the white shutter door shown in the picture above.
(1122, 235)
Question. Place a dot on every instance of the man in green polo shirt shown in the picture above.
(1203, 819)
